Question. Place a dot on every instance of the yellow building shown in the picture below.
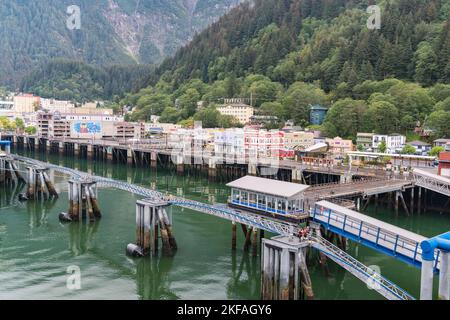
(26, 103)
(242, 112)
(298, 140)
(339, 147)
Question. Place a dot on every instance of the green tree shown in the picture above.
(436, 151)
(426, 64)
(382, 147)
(439, 122)
(382, 117)
(298, 100)
(30, 130)
(346, 118)
(408, 149)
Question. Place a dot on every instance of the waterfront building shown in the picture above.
(242, 112)
(394, 142)
(339, 147)
(267, 195)
(298, 140)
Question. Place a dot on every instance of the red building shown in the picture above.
(444, 164)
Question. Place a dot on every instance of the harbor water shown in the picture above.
(38, 253)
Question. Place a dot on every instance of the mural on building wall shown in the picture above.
(87, 127)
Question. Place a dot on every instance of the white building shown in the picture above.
(394, 142)
(57, 105)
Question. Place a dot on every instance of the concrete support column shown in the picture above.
(109, 153)
(212, 169)
(426, 282)
(444, 276)
(180, 164)
(90, 151)
(76, 149)
(252, 169)
(153, 159)
(129, 156)
(296, 175)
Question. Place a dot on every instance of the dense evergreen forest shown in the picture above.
(76, 81)
(290, 54)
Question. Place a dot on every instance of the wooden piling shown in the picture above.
(255, 242)
(233, 236)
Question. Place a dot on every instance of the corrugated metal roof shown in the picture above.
(268, 186)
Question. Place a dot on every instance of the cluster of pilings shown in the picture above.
(284, 274)
(251, 238)
(39, 185)
(9, 171)
(152, 223)
(83, 201)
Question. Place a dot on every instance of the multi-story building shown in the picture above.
(242, 112)
(298, 140)
(129, 130)
(78, 126)
(53, 105)
(26, 103)
(338, 147)
(229, 143)
(394, 142)
(364, 140)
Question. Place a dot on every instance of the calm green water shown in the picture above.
(36, 250)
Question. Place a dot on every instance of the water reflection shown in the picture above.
(82, 236)
(245, 276)
(153, 278)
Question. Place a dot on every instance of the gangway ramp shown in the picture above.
(373, 233)
(432, 182)
(376, 281)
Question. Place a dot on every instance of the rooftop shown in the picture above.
(268, 186)
(418, 143)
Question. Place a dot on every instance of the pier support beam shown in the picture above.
(284, 271)
(154, 160)
(151, 214)
(444, 276)
(82, 201)
(426, 282)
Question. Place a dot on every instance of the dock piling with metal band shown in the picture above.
(82, 201)
(284, 273)
(39, 185)
(151, 219)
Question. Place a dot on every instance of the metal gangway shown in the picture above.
(367, 275)
(378, 235)
(358, 269)
(432, 182)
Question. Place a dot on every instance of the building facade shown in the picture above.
(242, 112)
(364, 141)
(338, 147)
(394, 142)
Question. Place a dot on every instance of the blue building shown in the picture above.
(318, 114)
